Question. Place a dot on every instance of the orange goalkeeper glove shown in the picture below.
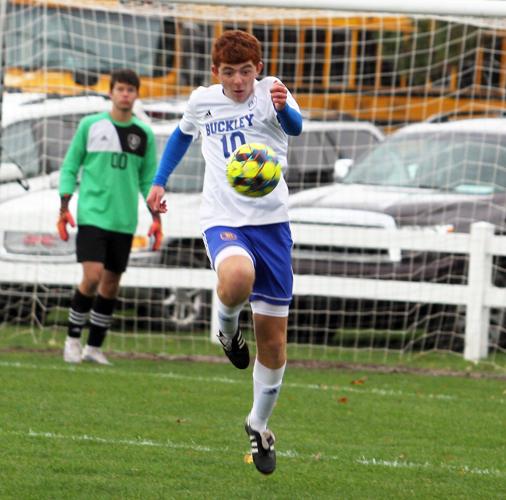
(155, 232)
(64, 219)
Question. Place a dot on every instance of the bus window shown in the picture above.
(164, 58)
(80, 39)
(390, 62)
(288, 48)
(366, 58)
(264, 34)
(491, 72)
(196, 41)
(314, 57)
(339, 56)
(86, 42)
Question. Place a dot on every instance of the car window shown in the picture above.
(188, 177)
(19, 145)
(461, 161)
(54, 135)
(58, 133)
(312, 155)
(321, 148)
(312, 150)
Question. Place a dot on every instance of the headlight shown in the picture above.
(140, 243)
(34, 243)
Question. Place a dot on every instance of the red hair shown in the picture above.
(236, 47)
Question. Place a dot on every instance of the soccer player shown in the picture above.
(116, 154)
(248, 240)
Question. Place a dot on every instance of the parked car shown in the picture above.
(437, 177)
(36, 132)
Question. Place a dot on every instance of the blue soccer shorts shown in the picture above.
(270, 249)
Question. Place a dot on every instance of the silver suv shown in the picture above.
(429, 177)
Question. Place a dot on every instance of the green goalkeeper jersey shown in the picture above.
(118, 161)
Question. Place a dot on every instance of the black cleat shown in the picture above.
(262, 449)
(236, 349)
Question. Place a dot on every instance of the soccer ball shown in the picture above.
(253, 170)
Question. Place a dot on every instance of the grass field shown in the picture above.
(145, 429)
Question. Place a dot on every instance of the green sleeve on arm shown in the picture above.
(149, 167)
(73, 161)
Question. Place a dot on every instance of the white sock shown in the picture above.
(228, 318)
(266, 387)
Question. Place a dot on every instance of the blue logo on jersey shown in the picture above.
(221, 126)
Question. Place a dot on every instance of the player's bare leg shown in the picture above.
(236, 276)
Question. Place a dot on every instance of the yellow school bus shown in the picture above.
(369, 67)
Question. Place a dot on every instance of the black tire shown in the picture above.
(180, 309)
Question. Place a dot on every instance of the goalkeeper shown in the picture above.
(248, 240)
(116, 154)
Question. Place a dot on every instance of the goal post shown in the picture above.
(385, 90)
(485, 8)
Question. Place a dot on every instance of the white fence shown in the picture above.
(478, 296)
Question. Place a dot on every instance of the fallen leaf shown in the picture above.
(359, 381)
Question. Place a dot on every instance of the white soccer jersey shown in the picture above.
(224, 125)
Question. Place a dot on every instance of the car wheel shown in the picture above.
(22, 311)
(175, 308)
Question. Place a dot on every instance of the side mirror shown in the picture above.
(341, 168)
(10, 172)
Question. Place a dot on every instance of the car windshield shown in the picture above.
(188, 177)
(38, 146)
(19, 145)
(466, 162)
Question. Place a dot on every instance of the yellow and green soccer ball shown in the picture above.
(253, 170)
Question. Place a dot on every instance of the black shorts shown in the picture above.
(94, 244)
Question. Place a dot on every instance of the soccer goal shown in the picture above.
(404, 143)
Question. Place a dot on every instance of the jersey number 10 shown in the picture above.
(232, 142)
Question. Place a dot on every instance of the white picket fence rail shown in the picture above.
(478, 295)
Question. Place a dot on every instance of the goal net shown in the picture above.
(404, 139)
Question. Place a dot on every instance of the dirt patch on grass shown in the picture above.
(308, 364)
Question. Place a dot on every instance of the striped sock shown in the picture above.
(78, 314)
(100, 320)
